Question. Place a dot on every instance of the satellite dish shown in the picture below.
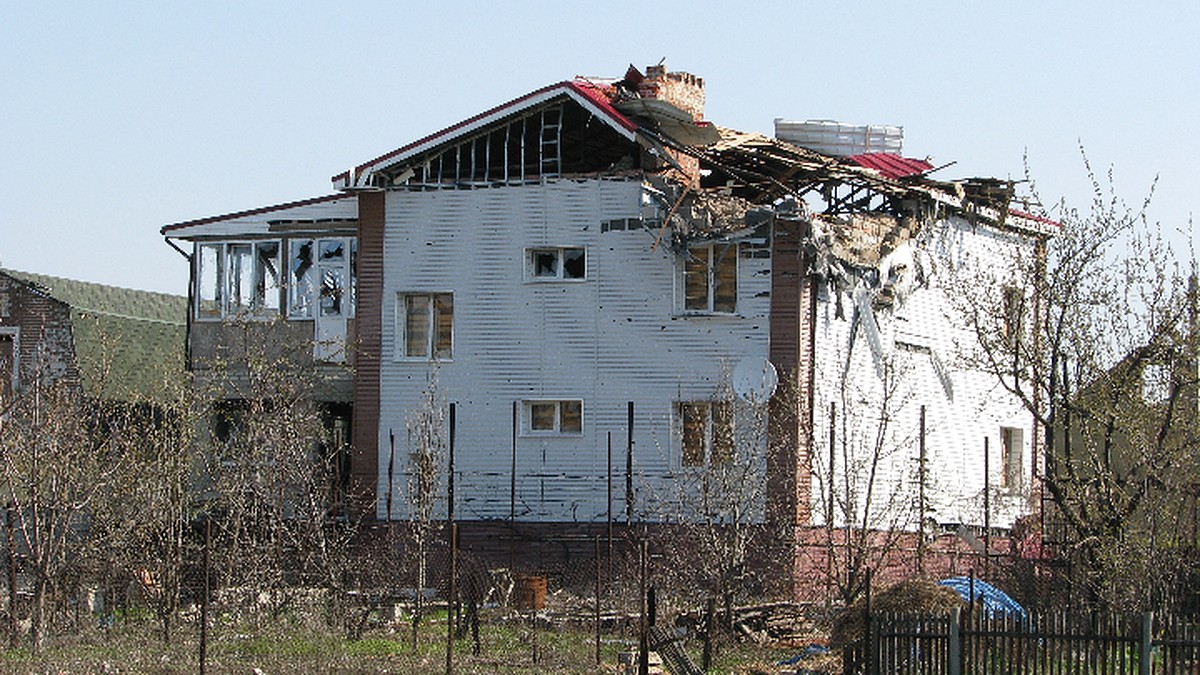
(755, 379)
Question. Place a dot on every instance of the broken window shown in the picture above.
(554, 417)
(706, 432)
(208, 293)
(547, 264)
(321, 277)
(1011, 446)
(238, 279)
(425, 325)
(1013, 308)
(710, 279)
(229, 428)
(8, 365)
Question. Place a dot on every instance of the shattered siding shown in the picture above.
(614, 338)
(919, 335)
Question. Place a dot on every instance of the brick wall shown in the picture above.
(43, 332)
(364, 428)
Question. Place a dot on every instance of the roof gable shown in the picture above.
(515, 141)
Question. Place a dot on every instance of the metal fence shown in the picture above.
(1050, 643)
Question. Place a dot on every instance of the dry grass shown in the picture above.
(907, 597)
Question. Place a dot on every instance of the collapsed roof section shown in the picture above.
(651, 125)
(710, 182)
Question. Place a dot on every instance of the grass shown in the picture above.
(507, 646)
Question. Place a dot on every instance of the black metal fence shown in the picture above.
(1050, 643)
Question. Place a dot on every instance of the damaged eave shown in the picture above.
(762, 169)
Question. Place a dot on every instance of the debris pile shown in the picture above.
(917, 596)
(771, 622)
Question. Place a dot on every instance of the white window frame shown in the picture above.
(706, 255)
(264, 303)
(560, 264)
(527, 417)
(433, 322)
(712, 409)
(305, 293)
(1012, 458)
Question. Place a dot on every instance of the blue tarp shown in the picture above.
(993, 600)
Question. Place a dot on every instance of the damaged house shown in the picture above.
(615, 294)
(108, 343)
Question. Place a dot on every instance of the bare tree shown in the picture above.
(269, 485)
(52, 472)
(1094, 330)
(864, 470)
(147, 513)
(427, 452)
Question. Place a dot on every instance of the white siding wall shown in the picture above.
(614, 338)
(955, 427)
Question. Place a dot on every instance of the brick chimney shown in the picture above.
(683, 90)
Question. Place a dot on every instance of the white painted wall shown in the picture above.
(956, 425)
(616, 337)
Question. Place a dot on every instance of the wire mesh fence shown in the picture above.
(472, 597)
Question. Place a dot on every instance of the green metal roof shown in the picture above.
(129, 344)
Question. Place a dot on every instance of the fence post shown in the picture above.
(954, 653)
(868, 632)
(875, 645)
(1147, 643)
(597, 558)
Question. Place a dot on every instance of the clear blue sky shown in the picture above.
(119, 117)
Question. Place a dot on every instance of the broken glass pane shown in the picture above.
(301, 293)
(545, 263)
(331, 291)
(266, 276)
(239, 276)
(332, 249)
(353, 275)
(573, 263)
(209, 281)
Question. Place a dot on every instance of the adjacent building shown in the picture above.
(115, 344)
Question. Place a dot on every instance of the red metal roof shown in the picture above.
(890, 165)
(1034, 217)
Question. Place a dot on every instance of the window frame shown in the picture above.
(260, 305)
(12, 335)
(308, 287)
(708, 268)
(434, 324)
(558, 430)
(717, 416)
(560, 265)
(1012, 458)
(1012, 303)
